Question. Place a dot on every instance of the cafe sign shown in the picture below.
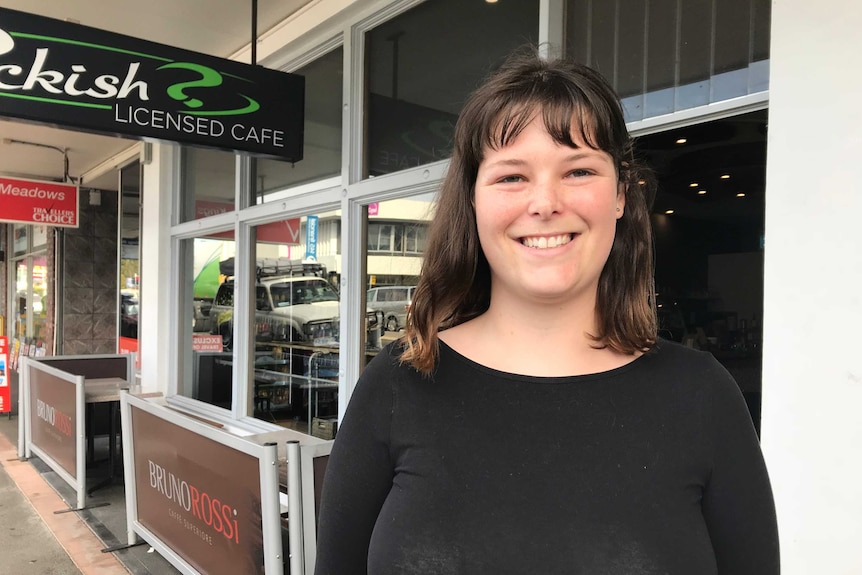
(65, 74)
(38, 202)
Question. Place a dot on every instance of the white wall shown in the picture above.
(155, 323)
(812, 372)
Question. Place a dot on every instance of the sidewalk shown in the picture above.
(27, 543)
(34, 540)
(49, 543)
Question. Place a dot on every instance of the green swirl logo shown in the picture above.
(209, 78)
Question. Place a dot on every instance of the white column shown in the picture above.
(812, 365)
(154, 323)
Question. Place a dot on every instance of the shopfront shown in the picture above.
(384, 85)
(384, 91)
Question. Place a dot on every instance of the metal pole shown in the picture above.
(253, 32)
(294, 509)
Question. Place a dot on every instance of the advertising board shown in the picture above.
(66, 74)
(201, 498)
(38, 202)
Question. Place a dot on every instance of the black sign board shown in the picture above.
(69, 75)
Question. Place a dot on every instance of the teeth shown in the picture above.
(544, 242)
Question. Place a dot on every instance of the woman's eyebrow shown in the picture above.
(516, 162)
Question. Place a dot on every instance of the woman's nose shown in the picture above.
(544, 199)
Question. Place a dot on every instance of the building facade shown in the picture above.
(762, 267)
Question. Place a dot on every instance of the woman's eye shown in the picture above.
(509, 179)
(580, 173)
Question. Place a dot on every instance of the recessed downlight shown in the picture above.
(701, 192)
(725, 176)
(693, 185)
(668, 212)
(681, 141)
(740, 195)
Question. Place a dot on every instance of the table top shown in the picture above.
(101, 390)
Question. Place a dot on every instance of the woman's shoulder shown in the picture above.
(673, 354)
(696, 369)
(388, 366)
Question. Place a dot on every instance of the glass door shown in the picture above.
(31, 298)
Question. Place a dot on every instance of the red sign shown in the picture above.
(5, 389)
(283, 232)
(37, 202)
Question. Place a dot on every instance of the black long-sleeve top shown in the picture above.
(650, 468)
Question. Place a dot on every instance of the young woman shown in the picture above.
(530, 421)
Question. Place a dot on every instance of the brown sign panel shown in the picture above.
(52, 417)
(91, 367)
(199, 497)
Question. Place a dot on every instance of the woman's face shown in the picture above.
(546, 216)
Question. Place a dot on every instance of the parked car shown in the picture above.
(287, 308)
(393, 301)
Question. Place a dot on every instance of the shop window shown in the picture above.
(663, 56)
(205, 359)
(208, 183)
(418, 77)
(394, 258)
(322, 137)
(130, 251)
(296, 325)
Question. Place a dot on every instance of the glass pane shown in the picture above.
(661, 50)
(392, 273)
(40, 237)
(22, 298)
(709, 251)
(206, 361)
(630, 67)
(20, 245)
(31, 298)
(130, 279)
(419, 77)
(39, 302)
(761, 14)
(209, 180)
(322, 145)
(603, 48)
(697, 51)
(296, 320)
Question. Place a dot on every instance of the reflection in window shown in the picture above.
(297, 324)
(399, 238)
(208, 183)
(418, 78)
(322, 137)
(207, 293)
(663, 55)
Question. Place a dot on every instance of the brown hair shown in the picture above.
(455, 283)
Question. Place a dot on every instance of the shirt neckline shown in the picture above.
(608, 374)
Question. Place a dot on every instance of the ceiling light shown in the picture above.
(668, 212)
(725, 176)
(681, 141)
(693, 185)
(491, 1)
(740, 195)
(642, 182)
(701, 192)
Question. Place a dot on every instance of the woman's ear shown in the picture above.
(621, 199)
